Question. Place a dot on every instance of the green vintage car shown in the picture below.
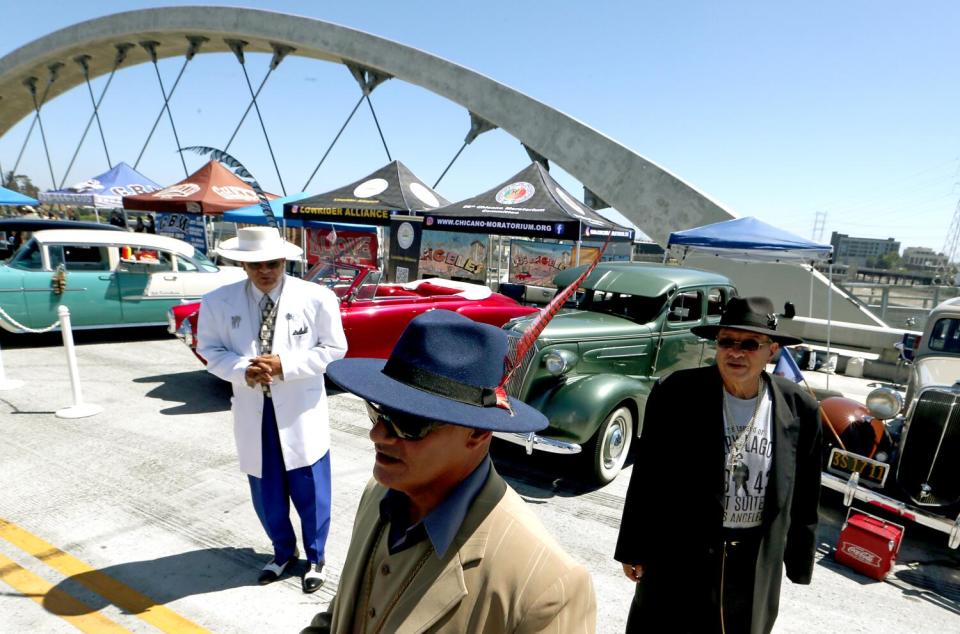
(594, 364)
(106, 278)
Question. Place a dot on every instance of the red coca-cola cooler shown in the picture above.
(869, 544)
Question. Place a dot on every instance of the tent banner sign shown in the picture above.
(406, 233)
(350, 247)
(505, 226)
(536, 263)
(349, 215)
(453, 255)
(186, 227)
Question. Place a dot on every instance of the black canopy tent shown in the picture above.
(529, 204)
(383, 198)
(390, 190)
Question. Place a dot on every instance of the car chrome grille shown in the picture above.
(930, 450)
(518, 377)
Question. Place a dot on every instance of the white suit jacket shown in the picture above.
(308, 336)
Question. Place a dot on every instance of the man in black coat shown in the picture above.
(725, 486)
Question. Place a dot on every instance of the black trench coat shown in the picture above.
(673, 512)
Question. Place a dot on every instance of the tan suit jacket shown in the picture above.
(503, 574)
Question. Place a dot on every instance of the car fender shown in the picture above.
(577, 408)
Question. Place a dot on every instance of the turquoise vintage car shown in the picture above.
(106, 279)
(593, 365)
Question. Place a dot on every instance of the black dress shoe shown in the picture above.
(313, 578)
(272, 571)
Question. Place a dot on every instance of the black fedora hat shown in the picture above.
(445, 368)
(752, 314)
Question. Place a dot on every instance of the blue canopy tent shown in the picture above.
(752, 239)
(104, 191)
(10, 197)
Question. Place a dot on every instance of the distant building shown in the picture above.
(856, 251)
(923, 258)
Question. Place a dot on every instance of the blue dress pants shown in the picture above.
(308, 487)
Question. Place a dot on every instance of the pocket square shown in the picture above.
(302, 330)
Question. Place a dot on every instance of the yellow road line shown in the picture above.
(122, 596)
(55, 600)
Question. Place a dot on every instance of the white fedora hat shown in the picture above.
(258, 244)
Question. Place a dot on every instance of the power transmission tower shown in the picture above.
(819, 222)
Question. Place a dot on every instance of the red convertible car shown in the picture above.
(374, 314)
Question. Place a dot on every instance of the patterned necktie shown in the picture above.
(267, 318)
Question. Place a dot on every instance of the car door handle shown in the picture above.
(105, 277)
(170, 278)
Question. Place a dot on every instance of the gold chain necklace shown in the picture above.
(735, 455)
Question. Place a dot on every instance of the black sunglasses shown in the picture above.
(407, 428)
(747, 345)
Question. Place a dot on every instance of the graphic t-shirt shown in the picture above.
(745, 484)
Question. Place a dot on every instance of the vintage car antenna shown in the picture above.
(517, 354)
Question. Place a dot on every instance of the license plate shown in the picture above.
(872, 472)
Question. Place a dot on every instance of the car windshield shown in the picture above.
(337, 278)
(204, 262)
(636, 308)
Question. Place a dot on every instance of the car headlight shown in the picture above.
(884, 403)
(559, 362)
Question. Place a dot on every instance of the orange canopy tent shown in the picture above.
(212, 189)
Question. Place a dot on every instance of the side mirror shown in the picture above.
(789, 310)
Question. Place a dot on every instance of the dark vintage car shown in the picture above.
(902, 454)
(594, 364)
(374, 313)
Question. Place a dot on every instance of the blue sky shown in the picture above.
(776, 111)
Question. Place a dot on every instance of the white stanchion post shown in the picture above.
(79, 409)
(5, 383)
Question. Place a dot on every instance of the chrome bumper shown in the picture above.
(532, 441)
(851, 490)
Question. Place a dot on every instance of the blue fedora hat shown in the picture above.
(444, 367)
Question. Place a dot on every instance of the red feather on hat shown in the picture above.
(518, 353)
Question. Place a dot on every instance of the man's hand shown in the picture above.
(269, 365)
(255, 374)
(633, 571)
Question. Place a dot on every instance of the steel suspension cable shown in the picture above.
(120, 57)
(450, 164)
(342, 128)
(151, 47)
(31, 84)
(280, 51)
(84, 62)
(237, 47)
(377, 121)
(54, 69)
(477, 127)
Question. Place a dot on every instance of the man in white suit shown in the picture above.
(272, 336)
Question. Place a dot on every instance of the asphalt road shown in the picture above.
(138, 519)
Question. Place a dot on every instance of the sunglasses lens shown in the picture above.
(747, 345)
(402, 428)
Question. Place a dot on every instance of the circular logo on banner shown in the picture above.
(577, 208)
(515, 193)
(405, 235)
(429, 221)
(369, 188)
(425, 195)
